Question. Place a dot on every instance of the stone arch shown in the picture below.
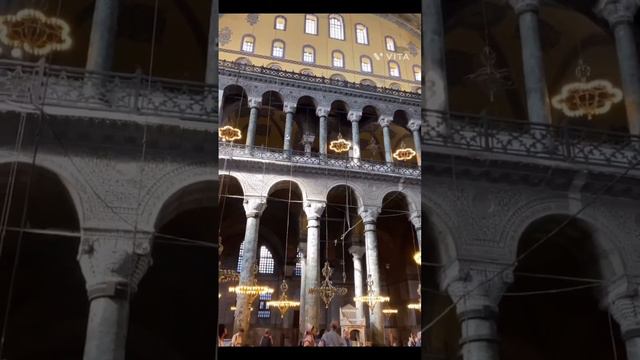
(609, 256)
(412, 204)
(357, 190)
(282, 183)
(443, 223)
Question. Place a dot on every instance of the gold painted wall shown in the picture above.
(234, 26)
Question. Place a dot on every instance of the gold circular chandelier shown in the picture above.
(586, 98)
(30, 30)
(404, 153)
(252, 290)
(340, 145)
(283, 303)
(390, 311)
(225, 275)
(415, 306)
(229, 133)
(371, 298)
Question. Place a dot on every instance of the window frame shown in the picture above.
(397, 66)
(366, 34)
(333, 58)
(386, 44)
(370, 64)
(264, 312)
(304, 24)
(419, 68)
(342, 24)
(284, 45)
(314, 54)
(253, 43)
(275, 23)
(266, 258)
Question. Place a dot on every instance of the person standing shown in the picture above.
(345, 337)
(266, 339)
(222, 332)
(238, 338)
(309, 337)
(332, 337)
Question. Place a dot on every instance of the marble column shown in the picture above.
(112, 263)
(357, 252)
(354, 117)
(385, 121)
(435, 91)
(369, 215)
(323, 113)
(289, 110)
(302, 247)
(103, 35)
(416, 220)
(477, 290)
(538, 106)
(211, 74)
(314, 210)
(253, 208)
(414, 125)
(254, 105)
(620, 15)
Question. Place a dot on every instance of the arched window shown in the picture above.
(266, 264)
(248, 43)
(298, 270)
(368, 82)
(307, 72)
(311, 24)
(395, 86)
(280, 23)
(390, 43)
(336, 27)
(417, 73)
(308, 54)
(362, 34)
(394, 69)
(277, 49)
(338, 77)
(365, 64)
(337, 59)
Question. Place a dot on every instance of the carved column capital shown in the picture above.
(114, 261)
(414, 124)
(313, 209)
(369, 214)
(623, 302)
(254, 207)
(354, 116)
(289, 107)
(617, 11)
(385, 121)
(254, 102)
(322, 111)
(357, 251)
(521, 6)
(416, 219)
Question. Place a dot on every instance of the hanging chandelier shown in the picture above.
(586, 98)
(390, 311)
(233, 308)
(283, 303)
(229, 133)
(371, 298)
(418, 305)
(31, 31)
(253, 290)
(340, 145)
(373, 146)
(326, 290)
(488, 76)
(225, 275)
(418, 257)
(404, 153)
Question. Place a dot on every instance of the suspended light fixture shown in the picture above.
(225, 275)
(404, 153)
(252, 290)
(340, 145)
(418, 305)
(283, 303)
(326, 290)
(389, 311)
(371, 298)
(418, 257)
(31, 31)
(586, 98)
(229, 133)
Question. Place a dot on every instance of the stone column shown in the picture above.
(416, 220)
(623, 301)
(533, 66)
(314, 210)
(211, 75)
(322, 113)
(303, 289)
(357, 252)
(620, 14)
(354, 117)
(369, 215)
(103, 34)
(253, 208)
(289, 110)
(477, 291)
(435, 91)
(112, 263)
(385, 121)
(254, 105)
(414, 125)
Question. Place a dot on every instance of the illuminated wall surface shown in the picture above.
(233, 28)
